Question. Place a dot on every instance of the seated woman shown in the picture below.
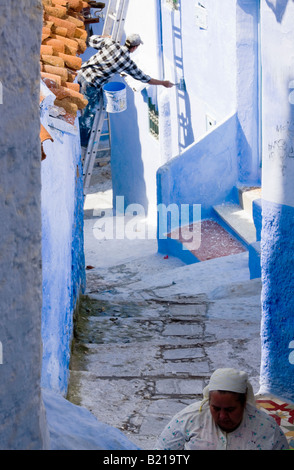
(226, 419)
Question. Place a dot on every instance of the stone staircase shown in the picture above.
(152, 328)
(235, 228)
(239, 217)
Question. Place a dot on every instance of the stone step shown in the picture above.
(187, 280)
(238, 220)
(246, 198)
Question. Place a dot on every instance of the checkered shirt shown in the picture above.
(110, 59)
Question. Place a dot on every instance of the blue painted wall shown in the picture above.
(277, 235)
(62, 250)
(77, 249)
(277, 258)
(205, 173)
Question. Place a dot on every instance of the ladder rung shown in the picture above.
(114, 19)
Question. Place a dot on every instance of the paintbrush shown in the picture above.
(181, 85)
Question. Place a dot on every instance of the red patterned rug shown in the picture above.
(207, 240)
(282, 412)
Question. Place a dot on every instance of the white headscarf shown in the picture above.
(230, 380)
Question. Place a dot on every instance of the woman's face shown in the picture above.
(226, 410)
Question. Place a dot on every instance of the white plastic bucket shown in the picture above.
(115, 97)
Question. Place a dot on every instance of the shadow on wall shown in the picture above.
(185, 130)
(244, 158)
(186, 136)
(127, 168)
(278, 7)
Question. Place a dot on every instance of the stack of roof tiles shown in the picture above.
(63, 40)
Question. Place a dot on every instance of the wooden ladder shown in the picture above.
(113, 27)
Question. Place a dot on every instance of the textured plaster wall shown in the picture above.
(277, 236)
(277, 333)
(21, 409)
(62, 250)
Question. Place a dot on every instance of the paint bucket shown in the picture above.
(115, 97)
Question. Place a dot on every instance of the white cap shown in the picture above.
(133, 40)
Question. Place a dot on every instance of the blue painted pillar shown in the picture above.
(277, 237)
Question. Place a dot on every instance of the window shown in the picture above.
(174, 4)
(153, 119)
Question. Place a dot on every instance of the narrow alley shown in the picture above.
(151, 329)
(118, 306)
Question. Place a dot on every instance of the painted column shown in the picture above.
(22, 414)
(277, 240)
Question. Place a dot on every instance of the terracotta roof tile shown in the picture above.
(44, 135)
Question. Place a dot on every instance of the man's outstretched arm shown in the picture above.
(165, 83)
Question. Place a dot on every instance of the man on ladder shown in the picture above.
(111, 58)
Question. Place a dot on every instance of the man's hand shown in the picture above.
(167, 84)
